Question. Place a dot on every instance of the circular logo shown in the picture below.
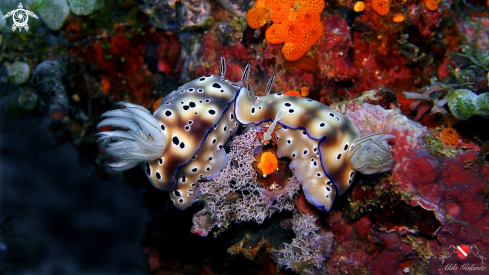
(20, 18)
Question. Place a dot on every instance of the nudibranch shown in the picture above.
(324, 146)
(182, 142)
(192, 124)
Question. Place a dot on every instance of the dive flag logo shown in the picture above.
(462, 251)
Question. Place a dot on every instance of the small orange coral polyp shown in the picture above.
(431, 5)
(292, 93)
(381, 7)
(398, 18)
(304, 91)
(256, 18)
(449, 136)
(268, 163)
(359, 6)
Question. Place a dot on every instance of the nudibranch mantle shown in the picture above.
(332, 130)
(182, 142)
(186, 117)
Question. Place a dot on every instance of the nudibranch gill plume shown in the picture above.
(182, 143)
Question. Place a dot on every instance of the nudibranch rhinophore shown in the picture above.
(182, 142)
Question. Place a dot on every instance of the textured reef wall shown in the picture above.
(414, 69)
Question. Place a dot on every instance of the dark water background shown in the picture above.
(57, 216)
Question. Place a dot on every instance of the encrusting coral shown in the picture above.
(256, 17)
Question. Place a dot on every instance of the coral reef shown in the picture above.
(417, 70)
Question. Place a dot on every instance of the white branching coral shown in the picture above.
(372, 154)
(140, 140)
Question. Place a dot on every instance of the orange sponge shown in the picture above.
(398, 18)
(270, 3)
(278, 11)
(449, 136)
(268, 163)
(292, 52)
(292, 93)
(359, 6)
(299, 27)
(312, 34)
(316, 5)
(381, 7)
(449, 120)
(308, 16)
(293, 15)
(304, 92)
(256, 18)
(431, 5)
(290, 3)
(275, 34)
(259, 4)
(293, 31)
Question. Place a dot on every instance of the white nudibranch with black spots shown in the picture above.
(182, 142)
